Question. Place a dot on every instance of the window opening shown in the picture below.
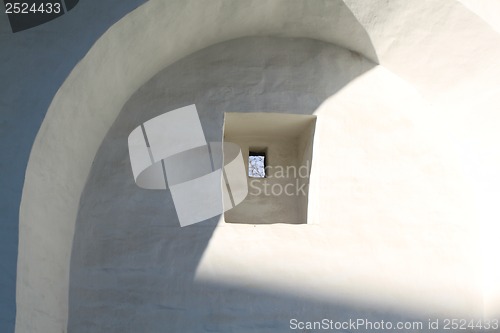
(257, 164)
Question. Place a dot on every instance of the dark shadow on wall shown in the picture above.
(34, 64)
(132, 265)
(239, 309)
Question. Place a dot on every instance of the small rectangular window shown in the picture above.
(257, 164)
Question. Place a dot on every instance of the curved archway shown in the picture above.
(131, 52)
(380, 173)
(85, 106)
(122, 231)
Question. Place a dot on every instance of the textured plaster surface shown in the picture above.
(388, 237)
(131, 235)
(442, 48)
(34, 64)
(130, 53)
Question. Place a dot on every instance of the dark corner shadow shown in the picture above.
(132, 265)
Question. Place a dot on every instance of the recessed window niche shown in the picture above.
(278, 151)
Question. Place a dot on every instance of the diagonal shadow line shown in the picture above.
(128, 250)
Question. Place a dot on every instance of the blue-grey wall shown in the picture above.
(33, 65)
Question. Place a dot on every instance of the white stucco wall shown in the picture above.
(431, 53)
(389, 234)
(124, 58)
(115, 238)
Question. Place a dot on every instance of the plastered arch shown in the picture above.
(127, 55)
(159, 33)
